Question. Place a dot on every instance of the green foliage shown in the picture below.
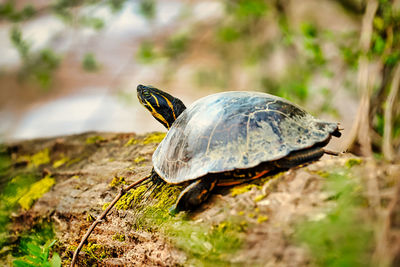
(176, 45)
(248, 8)
(19, 43)
(116, 5)
(293, 86)
(146, 53)
(92, 22)
(147, 8)
(39, 65)
(9, 12)
(228, 34)
(311, 43)
(89, 62)
(342, 237)
(35, 246)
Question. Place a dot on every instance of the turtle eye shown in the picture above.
(146, 94)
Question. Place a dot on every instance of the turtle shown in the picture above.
(229, 138)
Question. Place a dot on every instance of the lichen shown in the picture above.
(95, 253)
(139, 159)
(131, 141)
(119, 237)
(37, 159)
(90, 218)
(58, 163)
(156, 137)
(36, 191)
(117, 180)
(105, 205)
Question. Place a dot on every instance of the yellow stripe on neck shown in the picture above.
(171, 106)
(157, 115)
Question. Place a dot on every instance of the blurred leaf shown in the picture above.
(228, 34)
(90, 63)
(147, 8)
(146, 53)
(378, 45)
(250, 8)
(8, 12)
(116, 5)
(95, 23)
(19, 43)
(309, 30)
(176, 45)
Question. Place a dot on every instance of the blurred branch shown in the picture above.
(361, 128)
(388, 152)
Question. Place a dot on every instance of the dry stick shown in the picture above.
(388, 152)
(103, 215)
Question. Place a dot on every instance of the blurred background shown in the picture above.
(73, 66)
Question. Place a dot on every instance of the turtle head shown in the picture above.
(164, 107)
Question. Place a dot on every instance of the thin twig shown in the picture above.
(103, 215)
(387, 147)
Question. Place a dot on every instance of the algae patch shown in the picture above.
(36, 191)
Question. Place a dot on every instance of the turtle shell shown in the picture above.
(235, 130)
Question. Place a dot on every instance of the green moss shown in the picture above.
(11, 193)
(202, 242)
(238, 190)
(40, 158)
(131, 199)
(119, 237)
(105, 205)
(353, 162)
(154, 138)
(36, 191)
(95, 253)
(94, 139)
(117, 180)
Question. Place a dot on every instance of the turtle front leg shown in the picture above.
(194, 194)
